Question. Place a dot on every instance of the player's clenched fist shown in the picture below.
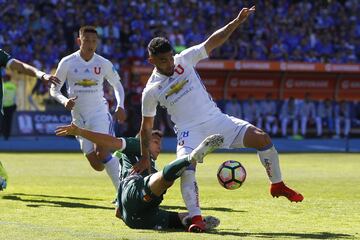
(244, 13)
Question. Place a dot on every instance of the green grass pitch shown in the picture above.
(58, 196)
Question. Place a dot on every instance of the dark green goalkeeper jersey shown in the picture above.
(133, 153)
(4, 59)
(136, 209)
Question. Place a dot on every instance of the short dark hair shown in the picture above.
(159, 45)
(157, 133)
(153, 132)
(87, 28)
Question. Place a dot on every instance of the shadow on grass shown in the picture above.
(52, 196)
(317, 235)
(51, 203)
(220, 209)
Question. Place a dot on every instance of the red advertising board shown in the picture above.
(243, 78)
(319, 86)
(258, 85)
(349, 88)
(214, 82)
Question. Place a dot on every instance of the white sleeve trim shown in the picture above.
(10, 62)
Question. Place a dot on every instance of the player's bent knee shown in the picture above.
(94, 162)
(266, 140)
(98, 167)
(101, 155)
(256, 138)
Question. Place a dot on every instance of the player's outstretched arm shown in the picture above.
(98, 138)
(223, 34)
(32, 71)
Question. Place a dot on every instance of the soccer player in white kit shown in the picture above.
(175, 85)
(85, 72)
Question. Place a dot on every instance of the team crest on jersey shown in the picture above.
(97, 70)
(86, 83)
(175, 88)
(75, 70)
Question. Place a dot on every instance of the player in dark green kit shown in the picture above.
(6, 61)
(140, 195)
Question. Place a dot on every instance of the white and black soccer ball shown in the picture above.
(231, 174)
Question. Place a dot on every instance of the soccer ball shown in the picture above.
(231, 174)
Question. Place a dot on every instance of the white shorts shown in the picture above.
(98, 121)
(230, 127)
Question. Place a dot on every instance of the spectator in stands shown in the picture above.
(356, 118)
(307, 113)
(324, 115)
(268, 114)
(342, 118)
(252, 112)
(233, 107)
(289, 112)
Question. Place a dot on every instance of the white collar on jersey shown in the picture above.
(83, 60)
(160, 76)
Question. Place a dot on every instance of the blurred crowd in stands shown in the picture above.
(42, 32)
(289, 30)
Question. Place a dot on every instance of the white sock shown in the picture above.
(190, 192)
(270, 160)
(112, 168)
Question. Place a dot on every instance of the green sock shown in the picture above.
(174, 169)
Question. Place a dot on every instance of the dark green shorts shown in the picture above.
(140, 209)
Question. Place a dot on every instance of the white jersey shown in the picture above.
(85, 81)
(182, 94)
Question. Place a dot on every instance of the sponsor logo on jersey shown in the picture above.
(175, 88)
(86, 83)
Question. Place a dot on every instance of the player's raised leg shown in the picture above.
(161, 181)
(207, 146)
(258, 139)
(173, 170)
